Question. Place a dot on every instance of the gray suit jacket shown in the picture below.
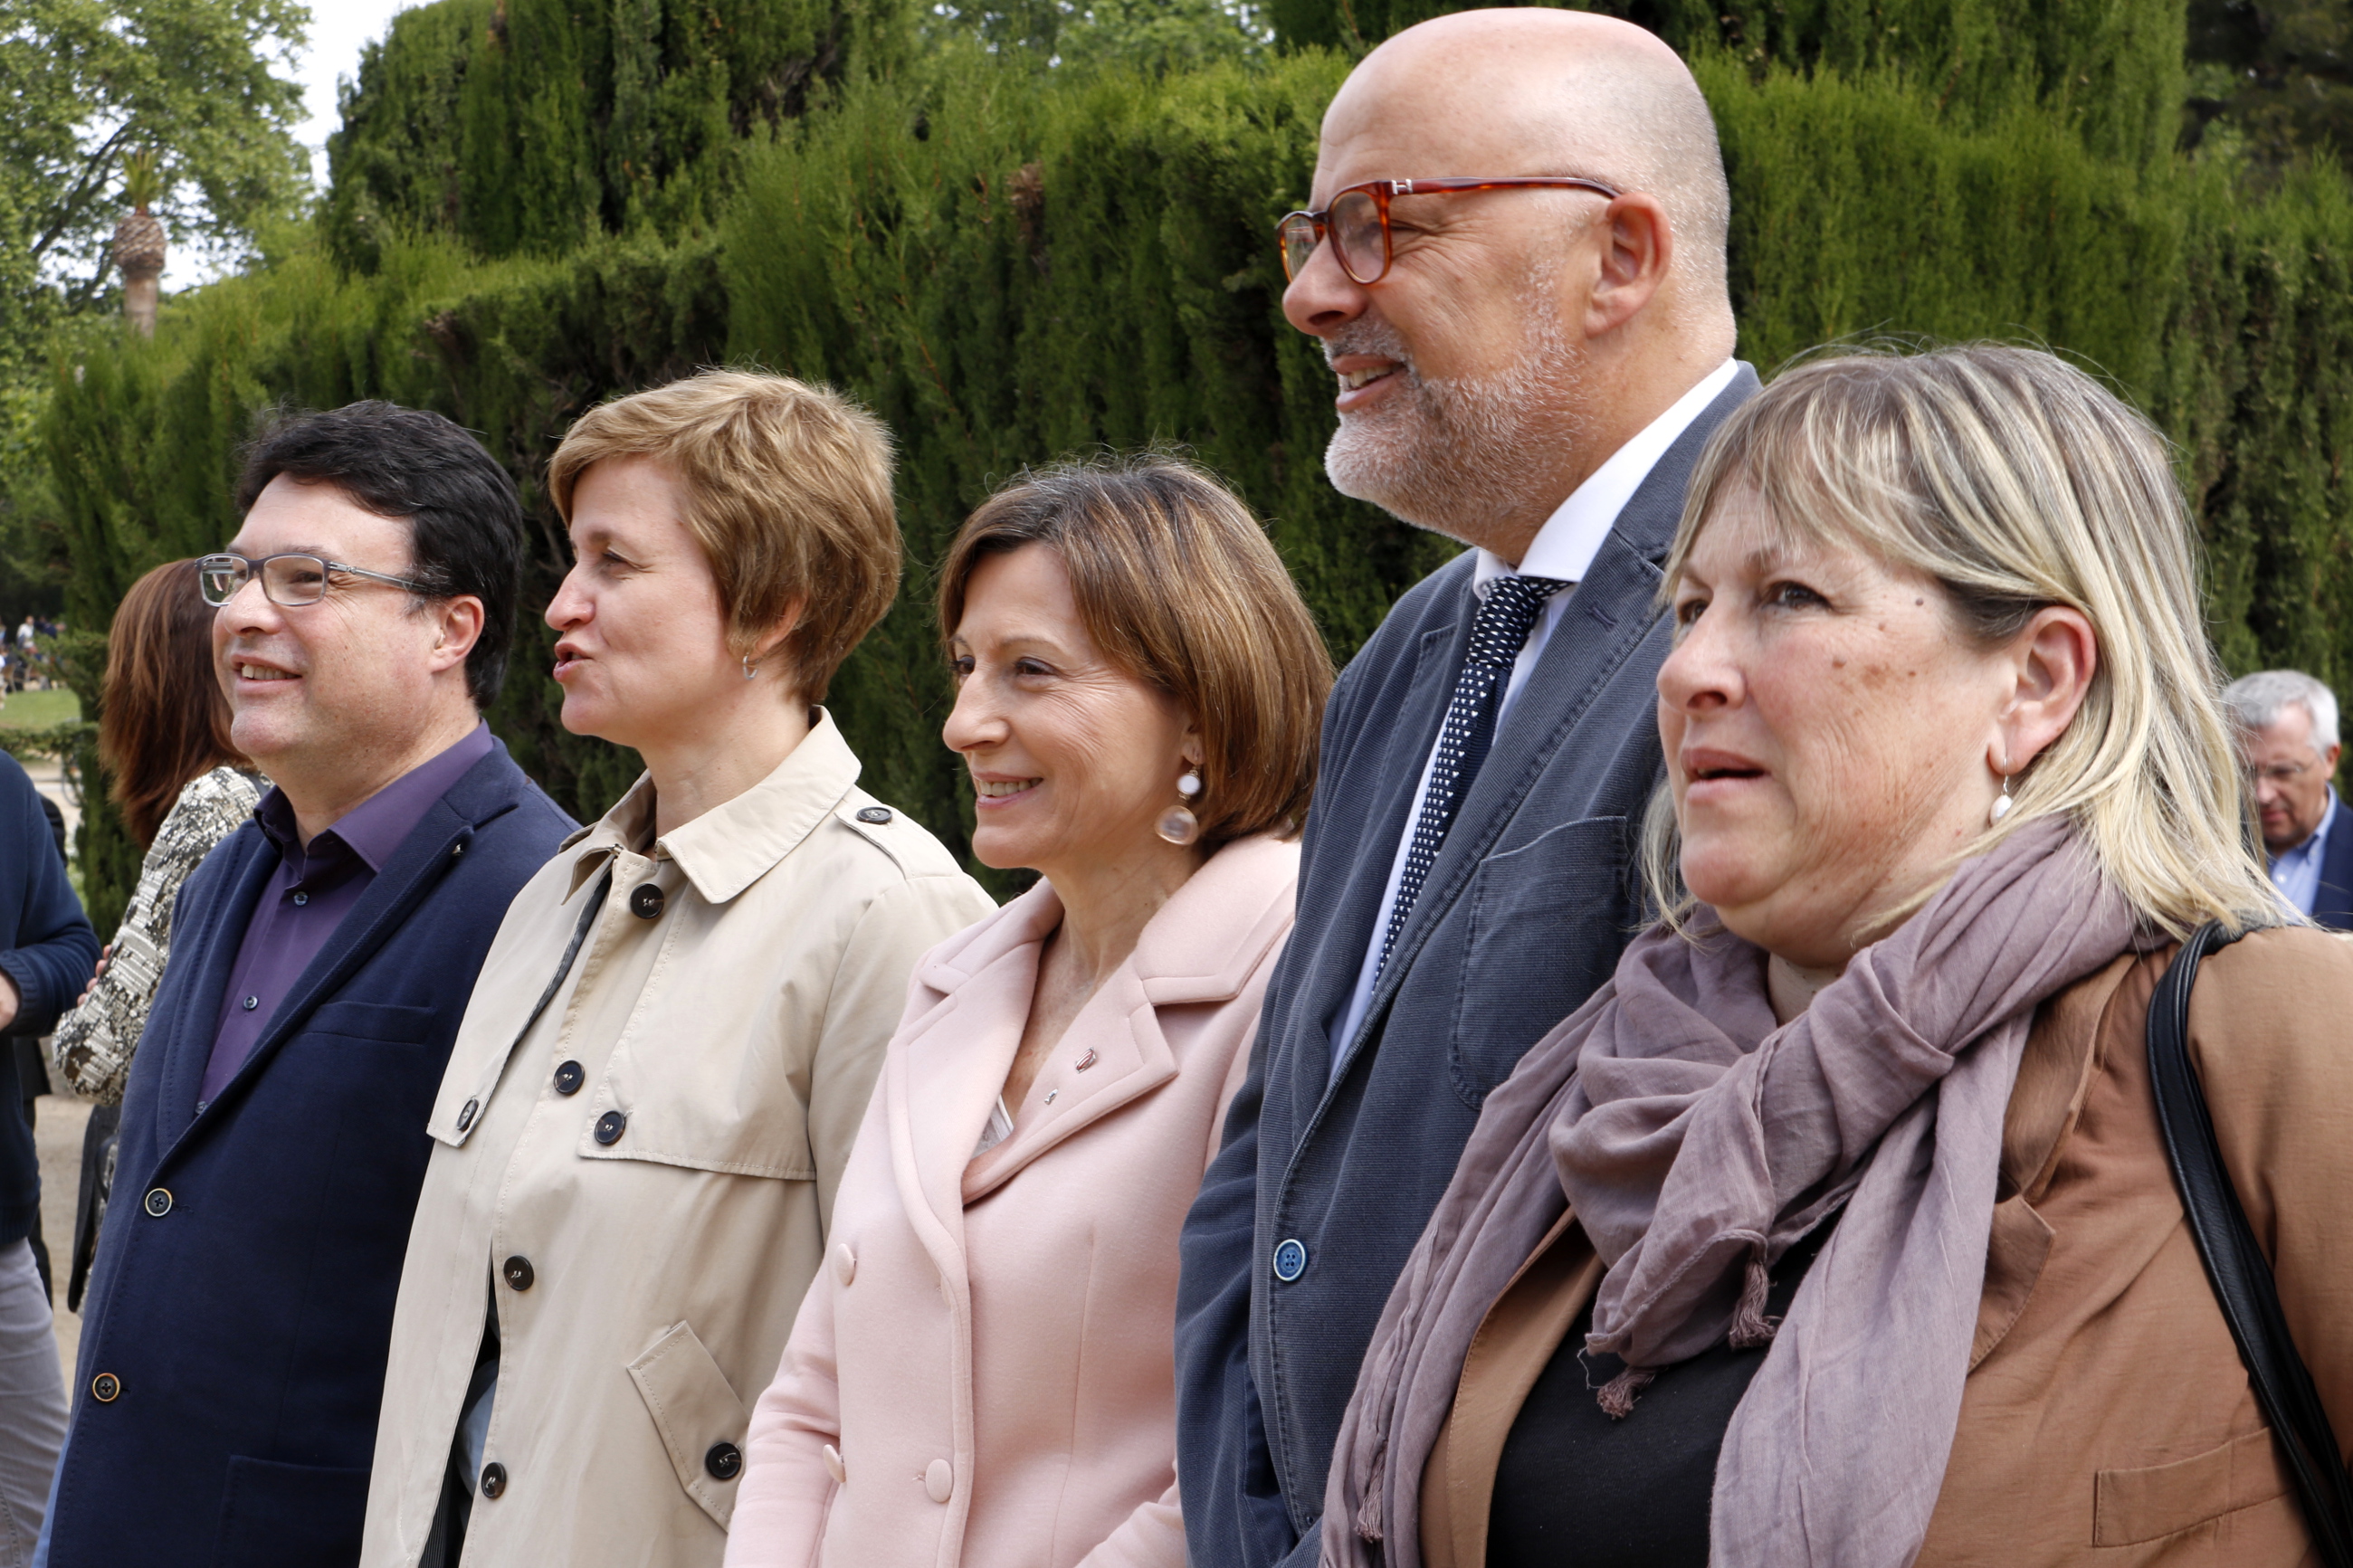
(1523, 914)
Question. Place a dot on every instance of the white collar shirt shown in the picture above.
(1563, 549)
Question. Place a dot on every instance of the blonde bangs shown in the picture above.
(2015, 483)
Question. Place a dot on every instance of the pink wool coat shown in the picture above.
(983, 1374)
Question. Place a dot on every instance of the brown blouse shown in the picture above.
(2107, 1417)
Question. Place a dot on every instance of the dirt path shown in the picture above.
(57, 1123)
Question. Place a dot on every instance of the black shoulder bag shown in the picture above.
(2240, 1274)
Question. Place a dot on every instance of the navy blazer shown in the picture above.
(1523, 914)
(48, 951)
(240, 1309)
(2332, 906)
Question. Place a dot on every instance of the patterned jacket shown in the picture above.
(93, 1043)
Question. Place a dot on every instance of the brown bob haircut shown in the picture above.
(163, 721)
(1178, 585)
(788, 492)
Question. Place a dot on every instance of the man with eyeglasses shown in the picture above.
(2286, 724)
(273, 1136)
(1514, 256)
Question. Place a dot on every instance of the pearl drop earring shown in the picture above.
(1177, 824)
(2002, 803)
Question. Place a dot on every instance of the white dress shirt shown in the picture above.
(1563, 548)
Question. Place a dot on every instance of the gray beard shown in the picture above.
(1455, 455)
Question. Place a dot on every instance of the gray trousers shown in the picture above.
(32, 1402)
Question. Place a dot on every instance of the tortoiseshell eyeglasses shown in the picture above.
(1358, 221)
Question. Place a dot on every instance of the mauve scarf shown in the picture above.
(1697, 1141)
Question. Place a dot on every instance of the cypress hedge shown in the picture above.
(1011, 264)
(535, 125)
(2110, 71)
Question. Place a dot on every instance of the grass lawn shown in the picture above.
(39, 710)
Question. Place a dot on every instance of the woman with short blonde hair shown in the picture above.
(649, 1104)
(985, 1377)
(1839, 1226)
(785, 486)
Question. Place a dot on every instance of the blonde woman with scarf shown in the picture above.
(1838, 1229)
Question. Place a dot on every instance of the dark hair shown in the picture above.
(1178, 584)
(465, 519)
(163, 720)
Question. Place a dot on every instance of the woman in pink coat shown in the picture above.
(982, 1373)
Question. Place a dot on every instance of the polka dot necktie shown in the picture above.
(1505, 619)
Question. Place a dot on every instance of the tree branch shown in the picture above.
(75, 199)
(82, 295)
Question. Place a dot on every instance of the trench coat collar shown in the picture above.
(731, 845)
(1202, 947)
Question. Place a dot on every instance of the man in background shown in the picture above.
(1515, 267)
(2287, 735)
(273, 1136)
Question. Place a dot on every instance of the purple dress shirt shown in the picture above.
(311, 891)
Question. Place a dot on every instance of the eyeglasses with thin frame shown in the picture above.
(290, 580)
(1358, 221)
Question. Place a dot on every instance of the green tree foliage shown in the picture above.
(1150, 37)
(2111, 71)
(535, 125)
(91, 80)
(1154, 38)
(194, 83)
(2277, 75)
(2260, 390)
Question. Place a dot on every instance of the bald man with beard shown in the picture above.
(1531, 342)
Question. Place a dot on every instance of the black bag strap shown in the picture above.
(2240, 1274)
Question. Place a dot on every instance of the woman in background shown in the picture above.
(983, 1374)
(182, 787)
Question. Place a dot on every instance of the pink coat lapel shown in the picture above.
(1200, 948)
(951, 1060)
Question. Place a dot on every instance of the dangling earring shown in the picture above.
(748, 670)
(2002, 804)
(1177, 824)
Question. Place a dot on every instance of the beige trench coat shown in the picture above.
(639, 1179)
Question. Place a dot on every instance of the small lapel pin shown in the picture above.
(1086, 1061)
